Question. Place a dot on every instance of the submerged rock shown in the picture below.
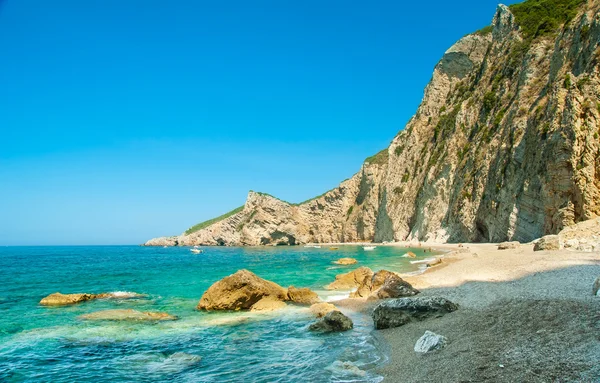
(303, 296)
(384, 284)
(351, 279)
(128, 315)
(345, 368)
(240, 291)
(398, 312)
(58, 299)
(508, 245)
(332, 321)
(548, 242)
(322, 308)
(346, 261)
(430, 341)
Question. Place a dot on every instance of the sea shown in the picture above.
(54, 344)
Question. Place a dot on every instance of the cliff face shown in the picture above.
(504, 146)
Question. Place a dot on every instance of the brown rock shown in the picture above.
(303, 296)
(346, 261)
(384, 284)
(351, 279)
(508, 245)
(269, 303)
(410, 254)
(128, 315)
(548, 242)
(58, 299)
(322, 308)
(332, 321)
(239, 291)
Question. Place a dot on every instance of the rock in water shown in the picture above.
(430, 341)
(410, 254)
(548, 242)
(384, 284)
(268, 304)
(303, 296)
(332, 321)
(321, 309)
(239, 291)
(128, 315)
(350, 280)
(346, 261)
(58, 299)
(398, 312)
(508, 245)
(596, 287)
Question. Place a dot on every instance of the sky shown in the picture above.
(126, 120)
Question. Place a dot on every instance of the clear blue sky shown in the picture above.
(125, 120)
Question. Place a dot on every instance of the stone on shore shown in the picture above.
(267, 304)
(58, 299)
(303, 296)
(321, 309)
(509, 245)
(346, 261)
(548, 242)
(384, 284)
(398, 312)
(332, 321)
(430, 341)
(596, 287)
(239, 291)
(351, 279)
(128, 315)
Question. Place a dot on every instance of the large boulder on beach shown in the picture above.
(128, 315)
(332, 321)
(350, 280)
(508, 245)
(398, 312)
(596, 287)
(548, 242)
(430, 341)
(384, 284)
(303, 296)
(58, 299)
(240, 291)
(346, 261)
(321, 309)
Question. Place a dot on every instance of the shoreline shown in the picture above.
(515, 299)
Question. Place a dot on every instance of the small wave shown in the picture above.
(426, 260)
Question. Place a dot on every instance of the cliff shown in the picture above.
(504, 146)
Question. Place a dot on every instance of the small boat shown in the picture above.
(333, 248)
(164, 247)
(313, 246)
(368, 248)
(196, 247)
(317, 247)
(196, 251)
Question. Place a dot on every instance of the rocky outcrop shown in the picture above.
(303, 296)
(398, 312)
(240, 291)
(430, 341)
(503, 147)
(350, 280)
(128, 315)
(346, 261)
(384, 284)
(321, 309)
(58, 299)
(332, 321)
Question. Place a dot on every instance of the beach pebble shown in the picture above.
(430, 341)
(332, 321)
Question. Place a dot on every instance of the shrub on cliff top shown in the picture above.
(205, 224)
(380, 158)
(543, 17)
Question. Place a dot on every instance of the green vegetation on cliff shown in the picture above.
(380, 158)
(543, 17)
(205, 224)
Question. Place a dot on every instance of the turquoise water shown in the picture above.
(41, 344)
